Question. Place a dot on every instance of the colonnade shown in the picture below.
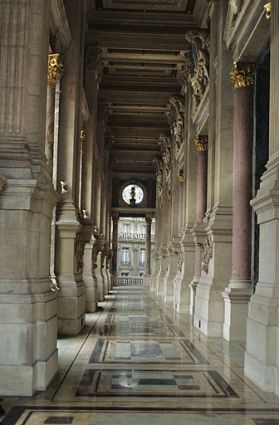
(203, 267)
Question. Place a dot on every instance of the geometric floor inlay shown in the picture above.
(175, 352)
(138, 362)
(150, 383)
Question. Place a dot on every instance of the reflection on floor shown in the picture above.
(137, 361)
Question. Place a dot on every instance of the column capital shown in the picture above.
(268, 8)
(82, 137)
(54, 69)
(180, 176)
(201, 143)
(115, 218)
(242, 75)
(148, 220)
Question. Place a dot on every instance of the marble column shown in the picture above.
(93, 75)
(237, 294)
(55, 67)
(115, 220)
(54, 72)
(198, 231)
(147, 274)
(262, 338)
(28, 306)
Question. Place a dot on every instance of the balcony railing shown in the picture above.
(133, 236)
(125, 263)
(142, 263)
(130, 280)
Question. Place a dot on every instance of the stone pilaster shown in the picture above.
(28, 306)
(262, 339)
(99, 262)
(68, 236)
(173, 250)
(115, 219)
(216, 246)
(147, 274)
(237, 294)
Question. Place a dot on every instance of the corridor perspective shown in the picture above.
(139, 212)
(137, 361)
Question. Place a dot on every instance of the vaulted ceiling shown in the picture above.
(143, 46)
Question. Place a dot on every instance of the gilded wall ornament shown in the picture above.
(79, 250)
(206, 253)
(54, 69)
(242, 75)
(267, 8)
(201, 143)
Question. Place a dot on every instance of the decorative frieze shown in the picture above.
(201, 143)
(54, 69)
(242, 75)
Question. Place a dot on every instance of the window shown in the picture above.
(142, 257)
(126, 228)
(125, 274)
(144, 230)
(125, 256)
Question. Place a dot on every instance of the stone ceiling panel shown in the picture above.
(147, 5)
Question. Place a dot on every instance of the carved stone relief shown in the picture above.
(200, 41)
(79, 250)
(206, 253)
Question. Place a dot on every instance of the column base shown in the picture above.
(146, 280)
(29, 328)
(193, 289)
(209, 309)
(236, 301)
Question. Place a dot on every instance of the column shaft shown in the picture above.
(148, 221)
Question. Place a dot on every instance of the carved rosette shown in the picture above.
(242, 75)
(201, 143)
(200, 50)
(206, 253)
(79, 250)
(54, 69)
(93, 59)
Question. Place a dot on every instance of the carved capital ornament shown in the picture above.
(242, 75)
(201, 143)
(54, 69)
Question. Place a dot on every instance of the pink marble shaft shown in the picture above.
(243, 137)
(201, 201)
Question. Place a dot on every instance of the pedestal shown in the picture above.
(28, 307)
(71, 301)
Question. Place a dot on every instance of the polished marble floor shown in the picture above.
(138, 362)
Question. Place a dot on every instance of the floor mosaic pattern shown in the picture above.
(137, 361)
